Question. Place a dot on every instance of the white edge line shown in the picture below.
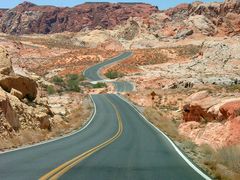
(58, 138)
(171, 142)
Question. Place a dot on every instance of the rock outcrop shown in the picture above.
(27, 18)
(25, 85)
(211, 120)
(15, 113)
(209, 19)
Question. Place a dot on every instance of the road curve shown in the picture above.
(117, 144)
(93, 73)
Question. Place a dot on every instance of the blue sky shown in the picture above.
(162, 4)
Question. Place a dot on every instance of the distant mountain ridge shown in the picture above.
(207, 18)
(28, 18)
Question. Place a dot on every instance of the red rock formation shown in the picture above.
(29, 18)
(215, 133)
(230, 110)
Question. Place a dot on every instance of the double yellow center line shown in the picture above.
(62, 169)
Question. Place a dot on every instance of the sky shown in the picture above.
(162, 4)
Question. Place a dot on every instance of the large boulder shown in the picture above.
(7, 110)
(5, 63)
(25, 85)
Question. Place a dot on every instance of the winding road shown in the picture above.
(118, 143)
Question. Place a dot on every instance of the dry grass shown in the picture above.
(23, 137)
(230, 157)
(166, 125)
(223, 163)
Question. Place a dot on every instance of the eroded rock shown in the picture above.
(25, 85)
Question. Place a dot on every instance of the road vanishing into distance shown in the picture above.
(93, 73)
(116, 144)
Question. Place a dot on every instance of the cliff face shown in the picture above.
(27, 18)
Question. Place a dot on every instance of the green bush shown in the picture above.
(51, 90)
(111, 74)
(73, 76)
(57, 80)
(73, 81)
(99, 85)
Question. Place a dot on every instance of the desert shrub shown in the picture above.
(112, 74)
(51, 90)
(73, 77)
(57, 80)
(99, 85)
(73, 81)
(81, 77)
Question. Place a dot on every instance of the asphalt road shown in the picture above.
(123, 86)
(117, 144)
(140, 153)
(92, 73)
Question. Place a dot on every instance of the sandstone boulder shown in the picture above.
(25, 85)
(5, 63)
(8, 111)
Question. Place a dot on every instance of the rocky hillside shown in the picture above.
(16, 94)
(27, 114)
(208, 19)
(27, 18)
